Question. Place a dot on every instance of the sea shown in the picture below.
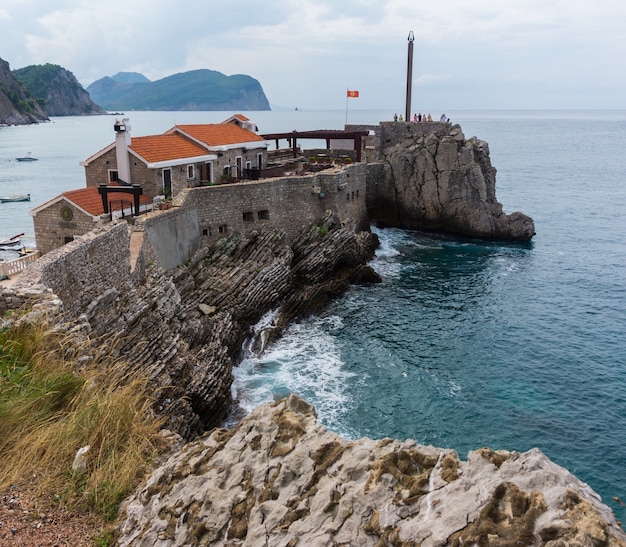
(465, 343)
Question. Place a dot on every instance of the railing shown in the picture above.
(13, 267)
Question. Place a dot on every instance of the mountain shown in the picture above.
(17, 105)
(58, 90)
(194, 90)
(130, 78)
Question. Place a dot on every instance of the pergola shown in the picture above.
(320, 134)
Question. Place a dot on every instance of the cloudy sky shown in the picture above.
(306, 53)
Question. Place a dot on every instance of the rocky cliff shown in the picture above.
(281, 479)
(58, 90)
(185, 328)
(17, 105)
(434, 179)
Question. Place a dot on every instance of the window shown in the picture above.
(222, 229)
(259, 161)
(263, 215)
(226, 170)
(238, 168)
(248, 216)
(113, 175)
(207, 232)
(209, 171)
(191, 172)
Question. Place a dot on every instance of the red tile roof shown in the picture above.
(155, 148)
(90, 200)
(219, 134)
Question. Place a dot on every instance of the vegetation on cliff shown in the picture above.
(57, 90)
(17, 104)
(194, 90)
(54, 401)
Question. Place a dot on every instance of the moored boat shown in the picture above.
(26, 158)
(7, 199)
(12, 244)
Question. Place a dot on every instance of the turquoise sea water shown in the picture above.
(464, 343)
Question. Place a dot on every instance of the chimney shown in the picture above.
(122, 141)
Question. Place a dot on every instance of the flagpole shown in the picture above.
(347, 99)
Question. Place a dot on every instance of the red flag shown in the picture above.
(353, 94)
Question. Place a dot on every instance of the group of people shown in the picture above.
(422, 118)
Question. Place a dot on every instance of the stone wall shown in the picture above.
(287, 203)
(52, 230)
(175, 236)
(97, 172)
(82, 270)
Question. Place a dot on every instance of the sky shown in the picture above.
(483, 54)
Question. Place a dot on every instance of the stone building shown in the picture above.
(186, 156)
(76, 212)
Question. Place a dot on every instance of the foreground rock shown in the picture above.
(437, 180)
(279, 478)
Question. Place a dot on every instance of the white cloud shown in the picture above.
(519, 53)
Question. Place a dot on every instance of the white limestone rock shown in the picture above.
(280, 478)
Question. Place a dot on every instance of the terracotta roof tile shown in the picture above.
(155, 148)
(219, 134)
(90, 200)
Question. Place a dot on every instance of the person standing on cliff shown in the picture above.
(395, 117)
(419, 117)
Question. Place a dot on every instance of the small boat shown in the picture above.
(7, 199)
(12, 244)
(26, 158)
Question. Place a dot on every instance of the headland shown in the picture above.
(175, 296)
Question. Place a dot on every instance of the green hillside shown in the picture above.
(194, 90)
(57, 89)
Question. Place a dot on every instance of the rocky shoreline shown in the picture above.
(184, 328)
(280, 478)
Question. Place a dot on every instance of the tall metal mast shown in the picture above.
(409, 78)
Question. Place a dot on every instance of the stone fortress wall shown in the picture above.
(391, 177)
(82, 270)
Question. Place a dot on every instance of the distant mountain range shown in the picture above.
(33, 93)
(194, 90)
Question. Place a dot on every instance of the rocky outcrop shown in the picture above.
(58, 89)
(17, 106)
(184, 328)
(437, 180)
(281, 479)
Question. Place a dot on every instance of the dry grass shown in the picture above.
(50, 407)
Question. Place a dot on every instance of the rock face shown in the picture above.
(184, 329)
(58, 88)
(17, 106)
(439, 181)
(279, 478)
